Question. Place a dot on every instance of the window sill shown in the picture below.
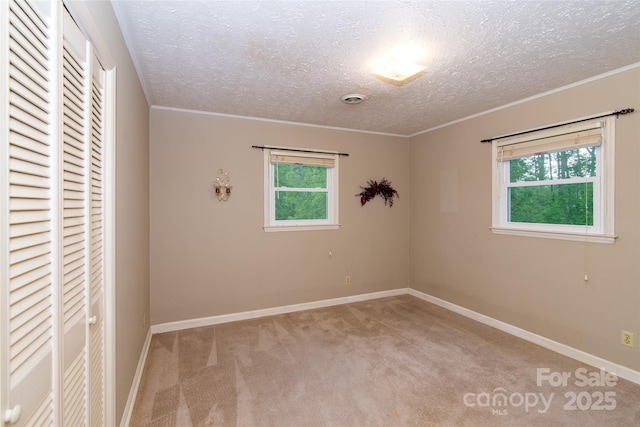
(591, 238)
(278, 228)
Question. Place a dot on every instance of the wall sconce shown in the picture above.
(223, 185)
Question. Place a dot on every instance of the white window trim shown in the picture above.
(605, 215)
(332, 223)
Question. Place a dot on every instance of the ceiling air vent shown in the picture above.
(353, 99)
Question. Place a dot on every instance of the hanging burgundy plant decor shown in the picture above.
(382, 188)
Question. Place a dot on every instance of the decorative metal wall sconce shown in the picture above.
(223, 185)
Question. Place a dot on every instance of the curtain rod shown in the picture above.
(263, 147)
(615, 113)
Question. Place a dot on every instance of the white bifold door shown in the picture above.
(52, 339)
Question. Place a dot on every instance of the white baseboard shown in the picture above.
(619, 370)
(234, 317)
(581, 356)
(131, 400)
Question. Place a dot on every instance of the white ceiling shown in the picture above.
(293, 60)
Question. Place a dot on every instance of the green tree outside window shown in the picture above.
(569, 204)
(291, 201)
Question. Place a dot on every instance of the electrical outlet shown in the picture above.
(347, 280)
(627, 338)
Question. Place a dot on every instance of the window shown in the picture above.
(301, 190)
(556, 183)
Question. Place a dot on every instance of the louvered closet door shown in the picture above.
(75, 229)
(52, 329)
(27, 288)
(96, 291)
(83, 123)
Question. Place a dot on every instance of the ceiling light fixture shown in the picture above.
(353, 99)
(398, 72)
(400, 66)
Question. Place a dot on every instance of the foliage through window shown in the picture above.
(557, 182)
(300, 190)
(560, 202)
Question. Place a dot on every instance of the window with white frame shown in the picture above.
(557, 183)
(301, 190)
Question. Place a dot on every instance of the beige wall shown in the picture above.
(132, 205)
(535, 284)
(210, 258)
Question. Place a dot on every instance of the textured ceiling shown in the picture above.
(293, 60)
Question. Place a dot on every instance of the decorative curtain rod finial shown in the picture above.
(624, 111)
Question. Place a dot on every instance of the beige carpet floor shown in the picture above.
(395, 361)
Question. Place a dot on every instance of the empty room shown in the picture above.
(320, 213)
